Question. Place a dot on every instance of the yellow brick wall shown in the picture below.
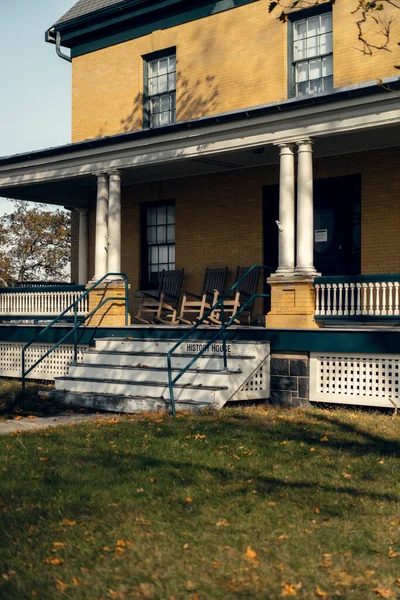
(219, 217)
(227, 61)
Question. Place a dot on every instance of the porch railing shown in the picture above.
(41, 301)
(357, 296)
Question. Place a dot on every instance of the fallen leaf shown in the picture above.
(43, 459)
(320, 592)
(188, 499)
(75, 581)
(185, 546)
(392, 553)
(346, 475)
(106, 549)
(271, 503)
(52, 560)
(317, 511)
(59, 544)
(290, 589)
(18, 418)
(251, 556)
(190, 586)
(31, 417)
(60, 585)
(312, 449)
(383, 592)
(222, 523)
(324, 439)
(68, 522)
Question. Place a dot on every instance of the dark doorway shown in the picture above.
(337, 225)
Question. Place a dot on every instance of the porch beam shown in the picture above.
(101, 240)
(286, 211)
(83, 247)
(114, 223)
(305, 210)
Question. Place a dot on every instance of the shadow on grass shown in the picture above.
(15, 403)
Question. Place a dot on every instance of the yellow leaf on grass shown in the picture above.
(320, 592)
(60, 585)
(75, 581)
(346, 475)
(43, 459)
(324, 439)
(222, 523)
(52, 560)
(185, 546)
(106, 549)
(271, 503)
(31, 417)
(312, 449)
(120, 543)
(68, 522)
(392, 553)
(18, 418)
(251, 556)
(383, 592)
(290, 589)
(59, 544)
(188, 499)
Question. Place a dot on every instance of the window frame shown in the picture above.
(145, 282)
(147, 58)
(299, 15)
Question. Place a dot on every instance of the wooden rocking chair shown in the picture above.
(162, 305)
(193, 305)
(245, 290)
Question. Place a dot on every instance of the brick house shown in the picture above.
(246, 141)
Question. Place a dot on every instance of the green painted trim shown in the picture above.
(122, 28)
(282, 340)
(359, 278)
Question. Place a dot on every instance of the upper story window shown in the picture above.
(160, 89)
(312, 54)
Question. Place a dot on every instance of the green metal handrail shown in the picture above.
(221, 331)
(76, 326)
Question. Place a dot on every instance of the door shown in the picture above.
(337, 225)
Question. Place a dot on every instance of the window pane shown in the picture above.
(172, 63)
(171, 255)
(302, 72)
(163, 66)
(155, 120)
(325, 43)
(164, 103)
(165, 118)
(327, 66)
(163, 254)
(155, 105)
(328, 84)
(153, 255)
(171, 214)
(302, 89)
(170, 233)
(171, 81)
(326, 22)
(153, 68)
(316, 86)
(312, 26)
(162, 84)
(161, 235)
(153, 86)
(151, 216)
(315, 69)
(151, 235)
(299, 51)
(161, 215)
(312, 46)
(300, 29)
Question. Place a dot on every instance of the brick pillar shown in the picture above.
(292, 303)
(112, 313)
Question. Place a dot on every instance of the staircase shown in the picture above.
(126, 375)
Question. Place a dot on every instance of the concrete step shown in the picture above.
(145, 373)
(123, 404)
(156, 389)
(164, 345)
(159, 360)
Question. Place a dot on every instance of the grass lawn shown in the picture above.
(244, 503)
(14, 403)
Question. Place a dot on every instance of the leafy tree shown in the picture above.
(35, 244)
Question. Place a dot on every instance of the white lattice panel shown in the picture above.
(258, 386)
(55, 365)
(365, 379)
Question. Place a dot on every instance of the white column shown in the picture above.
(101, 250)
(83, 247)
(114, 223)
(305, 210)
(286, 210)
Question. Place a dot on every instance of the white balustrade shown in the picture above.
(38, 304)
(354, 298)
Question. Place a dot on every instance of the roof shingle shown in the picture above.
(84, 7)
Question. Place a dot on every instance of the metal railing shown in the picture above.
(74, 330)
(221, 332)
(357, 296)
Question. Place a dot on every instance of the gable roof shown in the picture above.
(84, 7)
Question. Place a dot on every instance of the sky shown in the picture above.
(35, 89)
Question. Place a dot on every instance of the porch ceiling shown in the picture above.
(66, 178)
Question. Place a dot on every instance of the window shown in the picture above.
(312, 54)
(160, 89)
(159, 241)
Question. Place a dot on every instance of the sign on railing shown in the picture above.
(41, 302)
(361, 295)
